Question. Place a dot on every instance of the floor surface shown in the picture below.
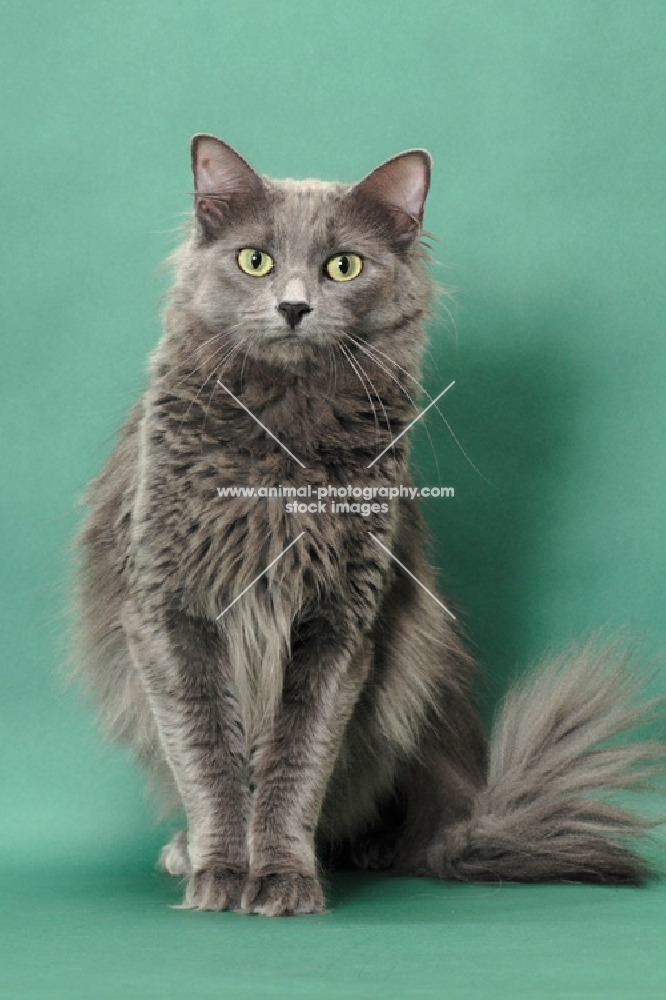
(82, 932)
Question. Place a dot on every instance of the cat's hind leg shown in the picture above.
(174, 857)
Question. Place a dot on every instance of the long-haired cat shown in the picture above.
(291, 680)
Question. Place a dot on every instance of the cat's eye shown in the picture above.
(254, 262)
(344, 266)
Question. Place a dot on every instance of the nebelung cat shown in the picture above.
(290, 680)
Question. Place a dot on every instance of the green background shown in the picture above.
(546, 122)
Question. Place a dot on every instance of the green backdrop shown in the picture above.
(546, 122)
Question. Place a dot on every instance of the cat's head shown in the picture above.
(292, 267)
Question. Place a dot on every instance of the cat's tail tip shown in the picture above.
(566, 736)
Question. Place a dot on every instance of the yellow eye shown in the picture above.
(344, 266)
(254, 262)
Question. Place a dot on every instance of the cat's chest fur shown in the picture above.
(256, 564)
(210, 544)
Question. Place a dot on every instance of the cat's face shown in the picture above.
(292, 268)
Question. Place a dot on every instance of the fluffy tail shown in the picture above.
(559, 745)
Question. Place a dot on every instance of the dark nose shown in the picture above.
(293, 312)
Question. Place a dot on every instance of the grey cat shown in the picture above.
(289, 680)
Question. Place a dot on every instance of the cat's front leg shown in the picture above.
(292, 765)
(184, 667)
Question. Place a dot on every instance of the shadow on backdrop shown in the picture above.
(514, 409)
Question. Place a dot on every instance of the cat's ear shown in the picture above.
(400, 186)
(221, 175)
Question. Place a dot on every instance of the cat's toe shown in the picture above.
(283, 895)
(174, 858)
(214, 889)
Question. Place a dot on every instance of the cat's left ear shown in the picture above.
(400, 185)
(221, 175)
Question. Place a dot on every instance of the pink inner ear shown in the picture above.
(209, 177)
(411, 185)
(218, 169)
(401, 183)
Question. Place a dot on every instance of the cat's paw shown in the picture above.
(214, 889)
(283, 895)
(174, 858)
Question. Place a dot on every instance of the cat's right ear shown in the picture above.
(221, 175)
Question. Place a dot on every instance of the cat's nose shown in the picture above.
(294, 312)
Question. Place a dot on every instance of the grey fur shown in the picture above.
(330, 709)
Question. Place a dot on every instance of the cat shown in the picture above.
(292, 682)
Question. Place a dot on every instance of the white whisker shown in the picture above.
(349, 358)
(379, 364)
(219, 370)
(373, 347)
(216, 362)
